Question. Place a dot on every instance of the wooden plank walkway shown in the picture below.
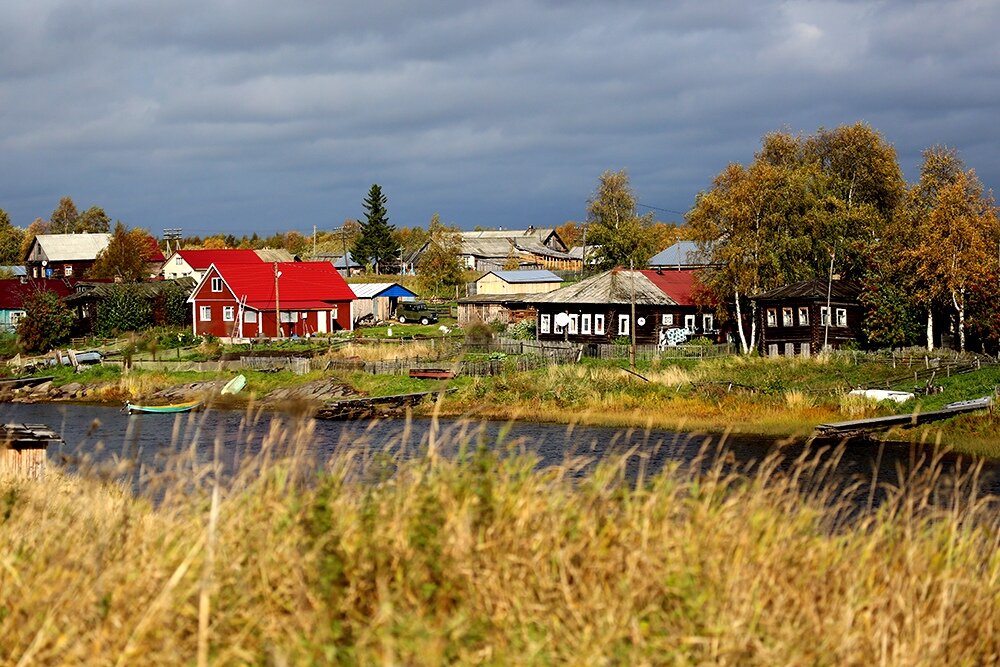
(858, 426)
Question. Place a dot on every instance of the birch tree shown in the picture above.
(959, 240)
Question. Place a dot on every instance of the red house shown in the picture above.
(242, 300)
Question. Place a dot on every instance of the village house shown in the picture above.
(499, 296)
(64, 255)
(531, 248)
(14, 291)
(88, 296)
(517, 282)
(242, 300)
(195, 263)
(599, 309)
(803, 318)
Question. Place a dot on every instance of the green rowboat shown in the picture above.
(132, 409)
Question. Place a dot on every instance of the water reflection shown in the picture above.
(101, 437)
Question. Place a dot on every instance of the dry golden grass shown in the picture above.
(479, 559)
(383, 351)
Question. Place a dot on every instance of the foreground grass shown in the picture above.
(475, 559)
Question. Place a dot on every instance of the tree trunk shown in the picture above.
(753, 326)
(960, 309)
(739, 325)
(930, 329)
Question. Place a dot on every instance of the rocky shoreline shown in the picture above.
(317, 392)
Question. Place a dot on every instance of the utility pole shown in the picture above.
(172, 234)
(631, 348)
(314, 240)
(277, 303)
(829, 290)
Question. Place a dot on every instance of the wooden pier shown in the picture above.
(372, 406)
(23, 450)
(856, 427)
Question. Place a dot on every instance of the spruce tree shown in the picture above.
(377, 244)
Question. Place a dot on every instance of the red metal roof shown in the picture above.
(202, 259)
(13, 291)
(304, 285)
(678, 285)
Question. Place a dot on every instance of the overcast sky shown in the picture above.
(253, 115)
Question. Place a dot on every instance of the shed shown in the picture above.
(377, 299)
(494, 308)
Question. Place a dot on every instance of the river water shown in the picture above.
(96, 436)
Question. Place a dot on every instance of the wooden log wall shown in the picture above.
(26, 462)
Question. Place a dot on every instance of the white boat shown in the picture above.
(235, 385)
(883, 395)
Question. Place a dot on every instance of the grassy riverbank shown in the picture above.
(480, 560)
(786, 397)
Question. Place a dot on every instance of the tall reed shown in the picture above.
(455, 550)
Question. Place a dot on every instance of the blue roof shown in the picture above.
(373, 290)
(532, 276)
(682, 253)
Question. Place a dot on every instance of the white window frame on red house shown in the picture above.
(216, 284)
(229, 313)
(204, 313)
(250, 316)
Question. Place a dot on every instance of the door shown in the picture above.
(322, 320)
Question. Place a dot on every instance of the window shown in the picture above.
(287, 317)
(599, 324)
(585, 325)
(667, 319)
(623, 325)
(772, 317)
(804, 349)
(228, 313)
(574, 321)
(841, 317)
(689, 323)
(803, 317)
(178, 261)
(543, 322)
(205, 313)
(250, 316)
(786, 317)
(304, 315)
(216, 284)
(68, 269)
(824, 315)
(772, 350)
(707, 323)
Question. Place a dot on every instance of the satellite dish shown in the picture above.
(641, 321)
(562, 319)
(45, 262)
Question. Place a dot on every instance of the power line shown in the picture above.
(665, 210)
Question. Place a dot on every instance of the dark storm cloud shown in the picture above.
(251, 115)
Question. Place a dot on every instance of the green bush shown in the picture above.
(523, 330)
(47, 322)
(124, 309)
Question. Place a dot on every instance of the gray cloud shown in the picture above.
(258, 116)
